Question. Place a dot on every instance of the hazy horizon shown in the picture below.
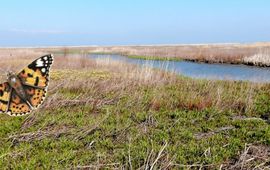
(78, 23)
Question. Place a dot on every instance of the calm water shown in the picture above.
(200, 70)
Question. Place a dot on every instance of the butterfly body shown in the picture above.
(25, 91)
(15, 83)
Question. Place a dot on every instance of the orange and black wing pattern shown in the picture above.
(36, 96)
(36, 74)
(17, 106)
(34, 81)
(5, 94)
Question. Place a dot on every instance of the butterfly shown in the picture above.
(25, 91)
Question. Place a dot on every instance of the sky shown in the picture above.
(132, 22)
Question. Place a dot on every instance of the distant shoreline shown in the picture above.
(253, 54)
(140, 45)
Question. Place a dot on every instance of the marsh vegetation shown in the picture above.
(110, 114)
(250, 54)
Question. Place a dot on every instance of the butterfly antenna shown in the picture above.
(9, 70)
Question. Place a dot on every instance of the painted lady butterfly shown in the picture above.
(25, 91)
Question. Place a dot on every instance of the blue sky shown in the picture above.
(132, 22)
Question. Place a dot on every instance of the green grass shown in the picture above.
(125, 125)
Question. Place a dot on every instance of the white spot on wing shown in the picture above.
(43, 70)
(39, 63)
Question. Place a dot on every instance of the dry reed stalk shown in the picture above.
(252, 157)
(262, 58)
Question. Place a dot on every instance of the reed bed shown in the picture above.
(260, 59)
(220, 53)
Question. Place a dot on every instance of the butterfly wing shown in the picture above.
(35, 80)
(18, 107)
(36, 95)
(5, 94)
(36, 74)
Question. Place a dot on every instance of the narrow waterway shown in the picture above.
(199, 70)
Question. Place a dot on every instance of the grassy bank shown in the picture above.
(105, 114)
(154, 58)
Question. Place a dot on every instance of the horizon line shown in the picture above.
(134, 45)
